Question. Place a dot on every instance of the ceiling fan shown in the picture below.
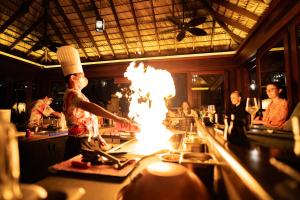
(190, 26)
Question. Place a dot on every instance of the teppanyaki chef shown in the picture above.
(79, 111)
(41, 109)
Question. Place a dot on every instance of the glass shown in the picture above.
(203, 111)
(252, 108)
(9, 162)
(211, 110)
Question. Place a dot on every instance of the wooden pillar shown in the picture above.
(295, 61)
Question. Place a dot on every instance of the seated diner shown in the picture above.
(277, 111)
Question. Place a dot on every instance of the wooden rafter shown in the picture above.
(193, 42)
(173, 10)
(232, 22)
(69, 26)
(22, 9)
(137, 26)
(28, 31)
(219, 80)
(212, 34)
(229, 45)
(264, 1)
(104, 32)
(57, 31)
(112, 6)
(33, 47)
(237, 9)
(74, 3)
(235, 37)
(155, 26)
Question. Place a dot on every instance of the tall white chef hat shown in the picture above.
(69, 59)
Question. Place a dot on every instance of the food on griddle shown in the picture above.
(170, 157)
(80, 164)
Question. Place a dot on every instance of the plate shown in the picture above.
(170, 157)
(197, 157)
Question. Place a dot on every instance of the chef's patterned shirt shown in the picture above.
(39, 110)
(79, 121)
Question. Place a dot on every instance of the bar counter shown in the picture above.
(258, 177)
(95, 187)
(242, 173)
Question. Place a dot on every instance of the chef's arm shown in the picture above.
(99, 111)
(56, 114)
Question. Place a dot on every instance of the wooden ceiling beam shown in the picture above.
(137, 26)
(235, 37)
(232, 22)
(104, 32)
(112, 6)
(219, 80)
(155, 26)
(57, 31)
(69, 26)
(237, 9)
(212, 35)
(27, 32)
(267, 2)
(22, 9)
(74, 3)
(173, 10)
(33, 47)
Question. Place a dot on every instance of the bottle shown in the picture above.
(237, 132)
(216, 118)
(9, 159)
(231, 123)
(28, 133)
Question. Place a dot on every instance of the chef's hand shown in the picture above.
(103, 145)
(123, 121)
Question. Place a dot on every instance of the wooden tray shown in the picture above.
(100, 170)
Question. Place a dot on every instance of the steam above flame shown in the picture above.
(150, 88)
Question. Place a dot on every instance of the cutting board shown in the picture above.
(101, 170)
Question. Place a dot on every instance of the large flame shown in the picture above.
(150, 88)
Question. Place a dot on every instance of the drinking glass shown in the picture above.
(211, 110)
(251, 108)
(203, 111)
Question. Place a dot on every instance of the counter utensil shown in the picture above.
(296, 131)
(118, 163)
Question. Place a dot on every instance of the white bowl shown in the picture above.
(168, 181)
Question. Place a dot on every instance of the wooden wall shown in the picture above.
(44, 79)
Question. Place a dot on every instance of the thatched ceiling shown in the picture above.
(134, 28)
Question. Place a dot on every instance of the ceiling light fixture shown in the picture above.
(100, 25)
